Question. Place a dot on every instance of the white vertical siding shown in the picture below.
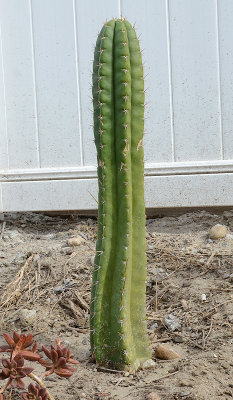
(195, 80)
(225, 24)
(151, 24)
(3, 118)
(19, 85)
(56, 82)
(46, 135)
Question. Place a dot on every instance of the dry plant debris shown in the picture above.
(41, 273)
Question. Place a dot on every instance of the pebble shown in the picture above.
(159, 274)
(49, 236)
(153, 396)
(148, 364)
(218, 232)
(203, 297)
(64, 287)
(153, 327)
(227, 214)
(75, 241)
(66, 250)
(184, 304)
(171, 323)
(59, 234)
(164, 353)
(92, 261)
(185, 382)
(27, 317)
(178, 339)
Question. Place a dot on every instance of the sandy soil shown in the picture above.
(54, 282)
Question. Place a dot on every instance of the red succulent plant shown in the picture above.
(23, 347)
(17, 345)
(35, 393)
(14, 371)
(60, 356)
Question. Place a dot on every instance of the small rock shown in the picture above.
(164, 353)
(49, 236)
(75, 241)
(153, 396)
(203, 297)
(153, 327)
(184, 304)
(66, 250)
(148, 364)
(27, 317)
(68, 284)
(178, 339)
(92, 261)
(159, 274)
(227, 214)
(218, 232)
(171, 323)
(59, 234)
(185, 382)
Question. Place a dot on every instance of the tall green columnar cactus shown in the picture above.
(118, 321)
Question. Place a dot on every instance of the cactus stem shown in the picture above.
(117, 286)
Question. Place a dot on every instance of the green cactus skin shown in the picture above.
(118, 301)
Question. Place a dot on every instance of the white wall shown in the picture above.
(47, 154)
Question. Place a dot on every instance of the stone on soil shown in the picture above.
(75, 241)
(153, 396)
(27, 317)
(171, 323)
(218, 232)
(164, 353)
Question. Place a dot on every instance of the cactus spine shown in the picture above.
(117, 313)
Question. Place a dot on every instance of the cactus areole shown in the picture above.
(117, 314)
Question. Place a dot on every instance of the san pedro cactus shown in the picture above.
(117, 313)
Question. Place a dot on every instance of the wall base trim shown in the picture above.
(196, 190)
(89, 172)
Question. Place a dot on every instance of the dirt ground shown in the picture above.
(189, 302)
